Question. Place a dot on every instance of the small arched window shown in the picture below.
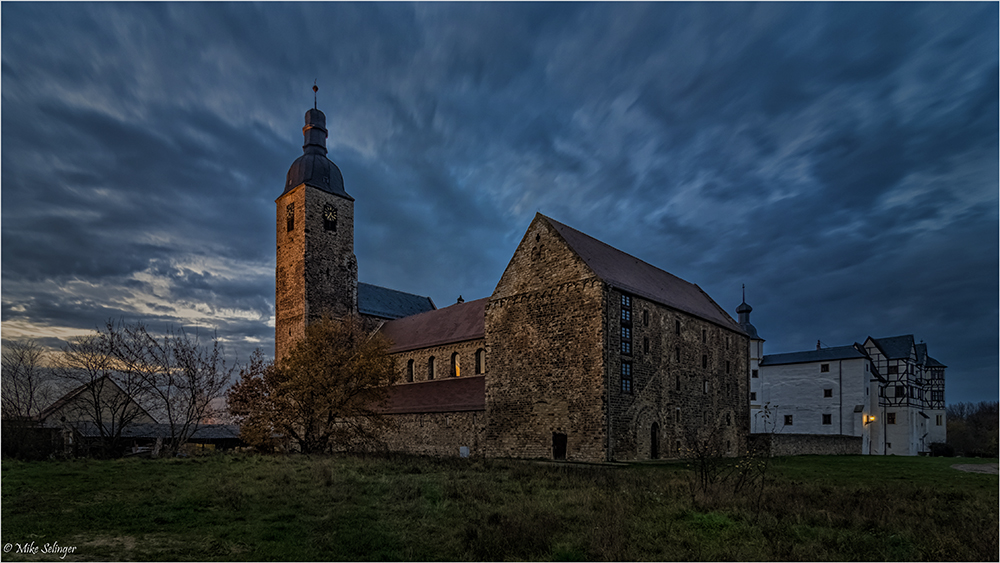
(409, 371)
(480, 361)
(430, 368)
(456, 369)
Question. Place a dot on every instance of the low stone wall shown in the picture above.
(808, 444)
(439, 434)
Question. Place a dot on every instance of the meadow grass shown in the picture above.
(252, 507)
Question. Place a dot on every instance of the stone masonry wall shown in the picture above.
(289, 276)
(544, 338)
(438, 434)
(689, 377)
(316, 271)
(442, 360)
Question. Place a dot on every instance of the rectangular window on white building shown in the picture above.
(890, 418)
(753, 397)
(754, 373)
(939, 419)
(827, 419)
(824, 368)
(788, 420)
(828, 392)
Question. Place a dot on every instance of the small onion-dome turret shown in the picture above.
(744, 315)
(313, 168)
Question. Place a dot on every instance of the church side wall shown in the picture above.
(442, 360)
(438, 434)
(544, 341)
(689, 404)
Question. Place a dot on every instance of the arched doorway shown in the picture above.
(654, 441)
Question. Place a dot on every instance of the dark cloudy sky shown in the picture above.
(841, 160)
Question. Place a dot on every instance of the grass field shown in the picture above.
(249, 507)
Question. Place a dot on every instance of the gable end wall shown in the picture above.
(544, 344)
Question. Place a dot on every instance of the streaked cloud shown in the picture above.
(839, 159)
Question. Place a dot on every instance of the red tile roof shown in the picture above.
(457, 323)
(634, 276)
(454, 394)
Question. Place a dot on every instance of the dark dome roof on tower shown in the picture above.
(313, 168)
(743, 311)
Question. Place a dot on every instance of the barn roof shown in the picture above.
(74, 393)
(453, 394)
(457, 323)
(634, 276)
(88, 429)
(388, 303)
(821, 355)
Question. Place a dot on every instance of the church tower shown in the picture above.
(316, 271)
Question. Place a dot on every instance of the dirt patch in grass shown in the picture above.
(978, 467)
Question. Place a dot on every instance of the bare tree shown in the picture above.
(108, 398)
(26, 384)
(26, 389)
(179, 376)
(972, 428)
(125, 376)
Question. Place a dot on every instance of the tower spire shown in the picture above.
(744, 316)
(315, 89)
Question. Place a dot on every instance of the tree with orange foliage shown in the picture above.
(326, 394)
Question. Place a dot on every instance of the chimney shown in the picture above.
(818, 345)
(460, 300)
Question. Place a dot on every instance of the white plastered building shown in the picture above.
(887, 391)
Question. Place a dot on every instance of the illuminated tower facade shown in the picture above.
(316, 272)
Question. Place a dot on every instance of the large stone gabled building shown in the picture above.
(595, 354)
(582, 352)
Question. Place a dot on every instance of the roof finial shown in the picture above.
(744, 293)
(315, 89)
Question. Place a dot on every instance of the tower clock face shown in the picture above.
(329, 218)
